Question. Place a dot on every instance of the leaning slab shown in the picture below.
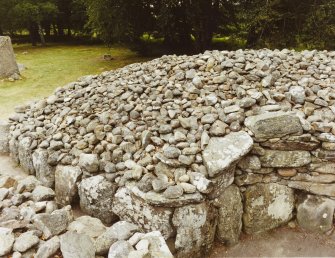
(4, 137)
(222, 152)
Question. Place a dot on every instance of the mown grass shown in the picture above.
(54, 66)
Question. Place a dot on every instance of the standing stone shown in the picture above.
(222, 152)
(267, 206)
(274, 125)
(44, 172)
(96, 195)
(6, 241)
(230, 209)
(8, 65)
(25, 155)
(315, 213)
(282, 159)
(4, 140)
(74, 245)
(66, 178)
(196, 226)
(136, 210)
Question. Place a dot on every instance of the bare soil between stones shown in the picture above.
(281, 242)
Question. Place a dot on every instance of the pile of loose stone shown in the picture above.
(31, 225)
(191, 146)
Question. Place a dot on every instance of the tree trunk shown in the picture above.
(41, 33)
(33, 33)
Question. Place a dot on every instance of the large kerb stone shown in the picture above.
(279, 159)
(274, 125)
(267, 206)
(221, 153)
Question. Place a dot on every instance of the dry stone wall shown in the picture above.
(195, 147)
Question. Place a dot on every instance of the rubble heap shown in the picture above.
(191, 145)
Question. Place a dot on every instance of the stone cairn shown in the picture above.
(8, 65)
(187, 148)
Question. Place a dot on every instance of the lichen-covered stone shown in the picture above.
(280, 159)
(74, 245)
(196, 226)
(25, 155)
(44, 172)
(96, 196)
(267, 206)
(314, 188)
(315, 213)
(221, 153)
(230, 210)
(274, 125)
(66, 178)
(4, 137)
(134, 209)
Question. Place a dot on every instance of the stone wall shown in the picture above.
(8, 65)
(198, 148)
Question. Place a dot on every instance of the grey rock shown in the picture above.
(120, 249)
(6, 241)
(74, 245)
(87, 225)
(274, 124)
(173, 192)
(42, 193)
(136, 210)
(315, 213)
(278, 159)
(121, 230)
(230, 209)
(48, 248)
(196, 226)
(4, 137)
(267, 206)
(96, 195)
(66, 178)
(89, 162)
(25, 241)
(55, 223)
(44, 172)
(221, 153)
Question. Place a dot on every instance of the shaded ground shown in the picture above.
(282, 242)
(55, 66)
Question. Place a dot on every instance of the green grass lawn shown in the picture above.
(54, 66)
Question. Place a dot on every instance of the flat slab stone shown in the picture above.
(274, 125)
(279, 159)
(222, 152)
(315, 188)
(157, 199)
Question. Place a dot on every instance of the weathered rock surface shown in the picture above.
(4, 137)
(267, 206)
(315, 213)
(121, 230)
(44, 172)
(6, 241)
(66, 178)
(278, 159)
(230, 210)
(196, 226)
(274, 125)
(120, 248)
(74, 245)
(135, 210)
(8, 65)
(221, 153)
(96, 195)
(25, 241)
(87, 225)
(48, 248)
